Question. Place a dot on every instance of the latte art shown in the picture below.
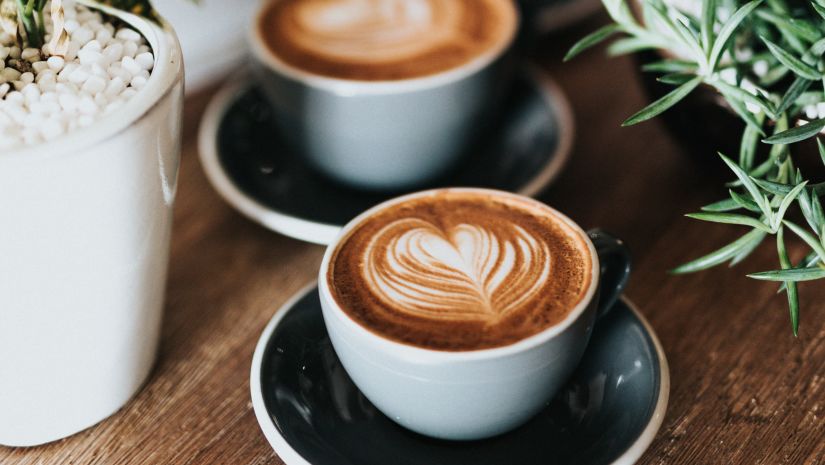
(467, 273)
(385, 39)
(460, 270)
(374, 30)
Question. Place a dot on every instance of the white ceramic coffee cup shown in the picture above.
(385, 135)
(470, 394)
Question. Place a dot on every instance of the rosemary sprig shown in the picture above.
(745, 51)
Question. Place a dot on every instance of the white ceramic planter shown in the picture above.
(85, 223)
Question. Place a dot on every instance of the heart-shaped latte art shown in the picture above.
(469, 272)
(375, 30)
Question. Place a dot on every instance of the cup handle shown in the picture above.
(614, 257)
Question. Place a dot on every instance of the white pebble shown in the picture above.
(10, 74)
(115, 87)
(69, 102)
(128, 34)
(71, 26)
(39, 67)
(92, 45)
(138, 82)
(89, 57)
(87, 105)
(130, 65)
(30, 54)
(94, 85)
(82, 35)
(146, 60)
(79, 76)
(56, 63)
(130, 49)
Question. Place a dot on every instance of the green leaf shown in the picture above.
(817, 213)
(793, 292)
(725, 205)
(675, 78)
(746, 251)
(630, 45)
(708, 20)
(808, 238)
(592, 39)
(792, 274)
(618, 11)
(819, 9)
(821, 147)
(679, 31)
(748, 183)
(670, 66)
(730, 218)
(808, 261)
(744, 202)
(799, 67)
(786, 202)
(799, 133)
(727, 31)
(722, 255)
(806, 206)
(659, 106)
(749, 144)
(774, 188)
(799, 86)
(798, 27)
(738, 93)
(743, 112)
(815, 52)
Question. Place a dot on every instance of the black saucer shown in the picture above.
(311, 413)
(248, 164)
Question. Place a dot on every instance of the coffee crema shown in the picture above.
(384, 39)
(456, 270)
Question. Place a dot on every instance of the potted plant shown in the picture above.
(90, 117)
(764, 62)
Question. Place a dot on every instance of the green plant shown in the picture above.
(765, 58)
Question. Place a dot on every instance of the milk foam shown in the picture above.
(468, 272)
(374, 31)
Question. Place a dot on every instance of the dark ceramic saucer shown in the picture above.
(311, 413)
(246, 161)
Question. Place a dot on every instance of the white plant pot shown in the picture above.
(85, 224)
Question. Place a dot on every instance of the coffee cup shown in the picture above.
(383, 94)
(459, 321)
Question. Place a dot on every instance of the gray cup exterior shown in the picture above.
(466, 399)
(385, 141)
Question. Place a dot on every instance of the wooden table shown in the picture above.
(744, 390)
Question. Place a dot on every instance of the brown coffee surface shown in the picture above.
(384, 39)
(458, 271)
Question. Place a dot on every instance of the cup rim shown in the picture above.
(426, 355)
(167, 71)
(263, 55)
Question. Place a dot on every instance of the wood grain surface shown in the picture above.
(744, 390)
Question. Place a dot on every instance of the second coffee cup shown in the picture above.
(383, 94)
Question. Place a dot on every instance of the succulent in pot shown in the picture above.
(763, 61)
(90, 117)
